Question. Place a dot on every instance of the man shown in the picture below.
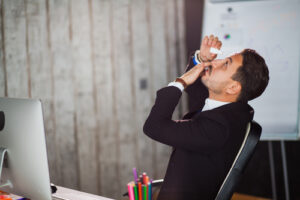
(208, 138)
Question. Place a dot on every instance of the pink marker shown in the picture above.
(130, 190)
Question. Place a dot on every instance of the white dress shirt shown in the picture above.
(212, 104)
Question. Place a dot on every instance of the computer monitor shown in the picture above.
(23, 140)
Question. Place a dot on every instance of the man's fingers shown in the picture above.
(205, 40)
(206, 64)
(197, 68)
(211, 38)
(219, 44)
(204, 57)
(202, 66)
(215, 41)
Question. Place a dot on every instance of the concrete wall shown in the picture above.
(96, 65)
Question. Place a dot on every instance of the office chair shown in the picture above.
(236, 171)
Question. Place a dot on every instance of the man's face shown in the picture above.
(218, 77)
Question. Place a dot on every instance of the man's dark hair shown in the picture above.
(253, 75)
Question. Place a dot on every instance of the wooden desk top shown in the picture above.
(63, 193)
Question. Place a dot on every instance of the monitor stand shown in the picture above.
(3, 152)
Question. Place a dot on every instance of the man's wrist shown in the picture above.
(199, 58)
(182, 81)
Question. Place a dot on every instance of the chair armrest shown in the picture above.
(157, 182)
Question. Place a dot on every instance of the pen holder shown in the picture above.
(140, 188)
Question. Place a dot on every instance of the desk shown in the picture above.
(63, 193)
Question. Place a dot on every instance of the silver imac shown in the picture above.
(23, 157)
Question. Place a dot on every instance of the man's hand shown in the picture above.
(206, 44)
(193, 74)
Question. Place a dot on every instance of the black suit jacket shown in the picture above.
(205, 143)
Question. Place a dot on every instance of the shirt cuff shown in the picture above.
(177, 84)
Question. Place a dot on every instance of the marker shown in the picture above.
(136, 179)
(140, 190)
(130, 191)
(141, 178)
(144, 178)
(150, 190)
(215, 51)
(136, 196)
(145, 192)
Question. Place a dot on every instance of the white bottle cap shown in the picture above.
(215, 51)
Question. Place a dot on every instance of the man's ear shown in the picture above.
(234, 88)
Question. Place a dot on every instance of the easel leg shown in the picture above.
(285, 171)
(272, 170)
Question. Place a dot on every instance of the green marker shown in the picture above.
(136, 196)
(145, 192)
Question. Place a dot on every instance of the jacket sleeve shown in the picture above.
(197, 92)
(201, 135)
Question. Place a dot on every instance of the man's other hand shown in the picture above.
(206, 44)
(192, 75)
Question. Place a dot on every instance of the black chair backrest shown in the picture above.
(246, 151)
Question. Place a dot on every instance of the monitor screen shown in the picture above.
(23, 137)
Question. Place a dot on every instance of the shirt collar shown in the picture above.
(212, 104)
